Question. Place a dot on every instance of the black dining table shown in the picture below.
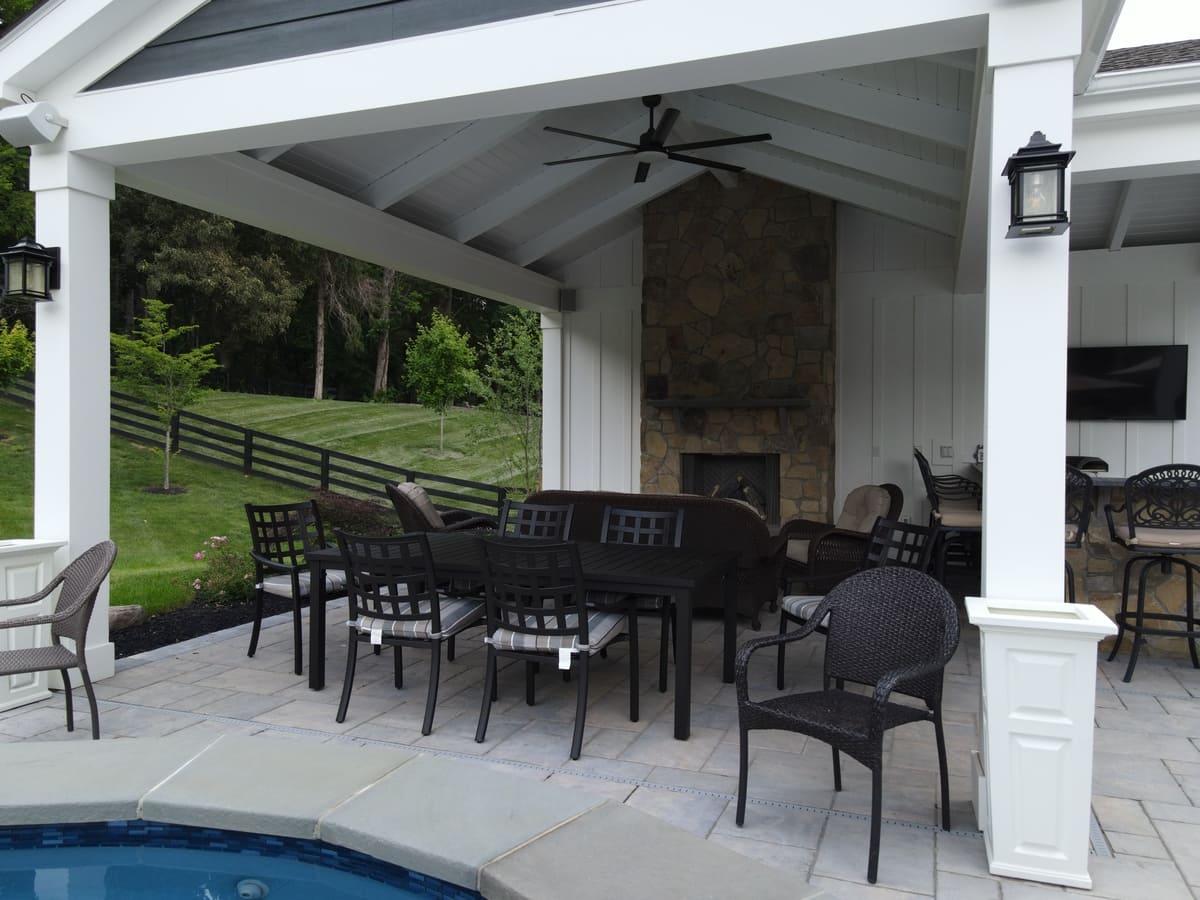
(619, 568)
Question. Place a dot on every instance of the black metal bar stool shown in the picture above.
(1162, 524)
(1079, 516)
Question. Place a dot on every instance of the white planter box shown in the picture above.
(25, 566)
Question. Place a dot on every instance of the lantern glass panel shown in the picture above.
(1039, 194)
(35, 277)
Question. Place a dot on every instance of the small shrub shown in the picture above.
(228, 576)
(363, 517)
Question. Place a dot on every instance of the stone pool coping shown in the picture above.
(505, 836)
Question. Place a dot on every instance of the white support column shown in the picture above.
(553, 372)
(71, 415)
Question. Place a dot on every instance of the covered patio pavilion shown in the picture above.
(413, 138)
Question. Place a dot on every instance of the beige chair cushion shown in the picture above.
(960, 514)
(797, 551)
(1149, 538)
(1072, 533)
(863, 506)
(419, 499)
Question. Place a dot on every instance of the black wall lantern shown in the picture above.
(30, 270)
(1037, 178)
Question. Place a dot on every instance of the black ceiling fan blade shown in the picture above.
(665, 124)
(643, 170)
(720, 142)
(589, 137)
(712, 164)
(559, 162)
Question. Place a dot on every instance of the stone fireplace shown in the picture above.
(750, 477)
(737, 340)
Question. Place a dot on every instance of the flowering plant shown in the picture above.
(228, 575)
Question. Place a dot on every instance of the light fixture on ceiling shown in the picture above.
(1037, 179)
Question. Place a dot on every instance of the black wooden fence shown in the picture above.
(281, 459)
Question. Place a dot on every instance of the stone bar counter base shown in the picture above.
(502, 835)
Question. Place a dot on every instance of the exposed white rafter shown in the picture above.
(662, 178)
(550, 180)
(843, 188)
(241, 188)
(685, 132)
(848, 98)
(1122, 215)
(439, 157)
(739, 110)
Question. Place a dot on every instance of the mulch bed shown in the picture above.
(188, 622)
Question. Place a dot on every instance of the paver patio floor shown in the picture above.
(1147, 766)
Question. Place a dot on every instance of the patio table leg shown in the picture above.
(316, 626)
(730, 644)
(683, 666)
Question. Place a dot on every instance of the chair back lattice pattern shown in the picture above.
(286, 532)
(1163, 497)
(889, 618)
(391, 578)
(902, 544)
(536, 521)
(77, 596)
(643, 527)
(1079, 505)
(534, 588)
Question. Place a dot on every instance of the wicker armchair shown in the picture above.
(80, 581)
(417, 512)
(395, 602)
(1078, 518)
(536, 521)
(1161, 524)
(892, 629)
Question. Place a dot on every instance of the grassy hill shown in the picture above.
(157, 535)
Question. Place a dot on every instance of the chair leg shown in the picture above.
(489, 691)
(664, 645)
(580, 707)
(529, 671)
(634, 661)
(450, 649)
(258, 614)
(66, 677)
(1124, 608)
(348, 682)
(1140, 623)
(943, 768)
(1191, 616)
(876, 809)
(91, 698)
(1070, 582)
(298, 637)
(743, 772)
(783, 623)
(435, 664)
(397, 665)
(837, 769)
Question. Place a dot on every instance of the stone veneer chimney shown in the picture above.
(738, 334)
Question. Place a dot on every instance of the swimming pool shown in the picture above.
(137, 860)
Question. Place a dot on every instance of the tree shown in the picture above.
(440, 367)
(16, 352)
(512, 380)
(168, 382)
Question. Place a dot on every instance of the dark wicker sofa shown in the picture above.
(709, 523)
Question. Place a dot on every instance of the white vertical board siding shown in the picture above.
(1138, 295)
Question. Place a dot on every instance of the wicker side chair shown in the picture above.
(1078, 518)
(537, 612)
(417, 512)
(890, 543)
(80, 581)
(536, 521)
(281, 535)
(1161, 523)
(892, 629)
(395, 602)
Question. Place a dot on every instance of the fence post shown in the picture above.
(247, 451)
(175, 433)
(324, 470)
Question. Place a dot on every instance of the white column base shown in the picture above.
(1034, 787)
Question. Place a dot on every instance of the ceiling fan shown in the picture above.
(652, 145)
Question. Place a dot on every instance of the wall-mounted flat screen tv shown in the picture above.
(1140, 383)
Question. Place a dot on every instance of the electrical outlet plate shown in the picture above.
(947, 451)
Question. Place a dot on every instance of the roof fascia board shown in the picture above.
(304, 98)
(1162, 144)
(241, 188)
(1099, 20)
(970, 273)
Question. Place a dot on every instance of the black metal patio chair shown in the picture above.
(1078, 517)
(535, 521)
(955, 503)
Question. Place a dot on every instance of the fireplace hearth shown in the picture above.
(751, 477)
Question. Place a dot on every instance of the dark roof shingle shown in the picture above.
(1151, 55)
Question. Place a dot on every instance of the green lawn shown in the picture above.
(157, 534)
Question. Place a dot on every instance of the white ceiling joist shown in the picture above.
(728, 109)
(662, 178)
(440, 157)
(1122, 215)
(531, 191)
(847, 98)
(241, 188)
(845, 189)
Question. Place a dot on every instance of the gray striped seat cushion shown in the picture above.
(602, 628)
(802, 606)
(281, 585)
(610, 599)
(456, 615)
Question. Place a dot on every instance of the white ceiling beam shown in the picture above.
(970, 272)
(552, 179)
(438, 157)
(241, 188)
(1150, 146)
(844, 188)
(859, 101)
(662, 178)
(1122, 215)
(963, 60)
(685, 132)
(738, 110)
(270, 154)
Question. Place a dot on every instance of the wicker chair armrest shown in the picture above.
(467, 521)
(837, 549)
(34, 598)
(741, 662)
(43, 619)
(889, 682)
(802, 529)
(1109, 509)
(273, 564)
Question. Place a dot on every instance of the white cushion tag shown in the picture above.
(376, 634)
(564, 657)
